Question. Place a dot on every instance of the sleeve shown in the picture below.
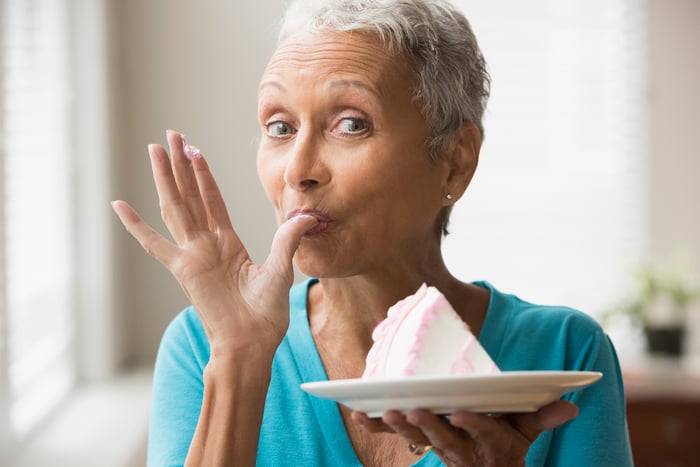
(598, 436)
(178, 389)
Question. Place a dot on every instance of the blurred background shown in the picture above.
(586, 194)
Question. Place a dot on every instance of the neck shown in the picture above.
(344, 311)
(352, 306)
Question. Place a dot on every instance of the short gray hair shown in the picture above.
(452, 82)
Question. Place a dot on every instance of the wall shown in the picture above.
(196, 70)
(674, 100)
(674, 103)
(193, 69)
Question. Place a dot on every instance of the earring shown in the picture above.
(449, 197)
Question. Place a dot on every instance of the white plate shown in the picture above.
(509, 391)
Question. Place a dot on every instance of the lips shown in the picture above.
(323, 220)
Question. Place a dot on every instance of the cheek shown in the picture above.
(269, 175)
(393, 198)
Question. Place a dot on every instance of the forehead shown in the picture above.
(320, 57)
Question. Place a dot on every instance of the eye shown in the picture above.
(278, 129)
(353, 126)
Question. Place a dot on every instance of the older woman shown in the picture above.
(371, 129)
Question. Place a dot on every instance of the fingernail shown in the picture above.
(300, 217)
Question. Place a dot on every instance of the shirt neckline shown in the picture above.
(311, 368)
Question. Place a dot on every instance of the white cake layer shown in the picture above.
(424, 336)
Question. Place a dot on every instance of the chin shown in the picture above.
(320, 266)
(315, 270)
(332, 259)
(314, 259)
(329, 267)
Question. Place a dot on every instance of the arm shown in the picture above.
(234, 397)
(595, 433)
(598, 436)
(243, 307)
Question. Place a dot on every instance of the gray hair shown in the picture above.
(452, 82)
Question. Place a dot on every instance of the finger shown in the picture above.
(286, 242)
(373, 425)
(173, 209)
(210, 194)
(154, 243)
(443, 436)
(411, 433)
(185, 178)
(548, 417)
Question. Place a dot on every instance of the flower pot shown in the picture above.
(665, 340)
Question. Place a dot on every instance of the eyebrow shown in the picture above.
(337, 83)
(354, 83)
(271, 83)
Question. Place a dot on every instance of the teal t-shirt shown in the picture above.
(299, 429)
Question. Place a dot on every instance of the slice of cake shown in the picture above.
(422, 335)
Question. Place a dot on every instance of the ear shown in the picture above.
(462, 157)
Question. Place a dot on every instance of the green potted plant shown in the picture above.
(659, 307)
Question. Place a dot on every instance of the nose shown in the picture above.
(305, 168)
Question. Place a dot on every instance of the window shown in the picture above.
(556, 211)
(37, 294)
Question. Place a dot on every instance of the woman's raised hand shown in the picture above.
(240, 303)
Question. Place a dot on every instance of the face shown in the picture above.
(343, 141)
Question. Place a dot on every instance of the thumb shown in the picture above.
(286, 242)
(548, 417)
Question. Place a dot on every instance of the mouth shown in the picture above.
(323, 220)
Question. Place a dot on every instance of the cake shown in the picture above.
(422, 335)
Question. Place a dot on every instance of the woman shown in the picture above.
(371, 130)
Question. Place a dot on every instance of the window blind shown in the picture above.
(556, 210)
(37, 214)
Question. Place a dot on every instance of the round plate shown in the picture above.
(505, 392)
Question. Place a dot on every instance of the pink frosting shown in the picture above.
(462, 366)
(383, 335)
(191, 152)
